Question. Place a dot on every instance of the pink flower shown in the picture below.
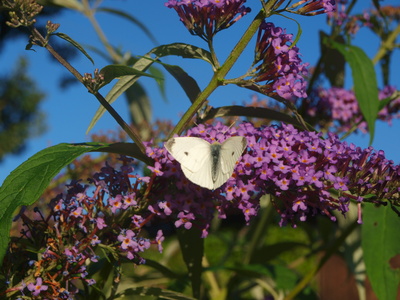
(38, 287)
(159, 239)
(126, 239)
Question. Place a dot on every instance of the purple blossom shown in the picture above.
(185, 220)
(129, 200)
(137, 220)
(95, 240)
(100, 223)
(83, 271)
(58, 206)
(113, 181)
(73, 255)
(279, 65)
(165, 206)
(77, 213)
(206, 17)
(156, 169)
(159, 239)
(37, 287)
(126, 239)
(90, 281)
(314, 7)
(351, 24)
(340, 106)
(299, 205)
(115, 203)
(131, 244)
(298, 168)
(83, 221)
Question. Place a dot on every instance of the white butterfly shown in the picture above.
(207, 165)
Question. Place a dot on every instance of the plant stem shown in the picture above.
(220, 74)
(215, 61)
(130, 131)
(132, 134)
(60, 59)
(308, 277)
(387, 45)
(89, 13)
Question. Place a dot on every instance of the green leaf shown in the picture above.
(381, 245)
(158, 293)
(29, 47)
(139, 107)
(384, 102)
(157, 73)
(192, 247)
(275, 251)
(299, 30)
(187, 82)
(71, 4)
(364, 80)
(73, 43)
(142, 64)
(26, 183)
(377, 4)
(251, 112)
(283, 277)
(111, 72)
(103, 54)
(184, 51)
(130, 18)
(162, 269)
(251, 270)
(332, 62)
(127, 149)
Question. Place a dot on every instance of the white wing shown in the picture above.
(195, 158)
(230, 152)
(194, 155)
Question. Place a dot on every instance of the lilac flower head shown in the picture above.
(375, 20)
(206, 17)
(298, 168)
(342, 109)
(313, 7)
(279, 64)
(84, 218)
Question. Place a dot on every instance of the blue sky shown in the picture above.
(69, 111)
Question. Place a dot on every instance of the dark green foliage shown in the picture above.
(20, 117)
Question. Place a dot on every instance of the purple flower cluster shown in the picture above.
(88, 215)
(280, 66)
(342, 108)
(206, 17)
(97, 213)
(131, 244)
(350, 24)
(314, 7)
(298, 168)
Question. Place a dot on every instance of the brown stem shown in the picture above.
(132, 133)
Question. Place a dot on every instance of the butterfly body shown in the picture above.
(207, 165)
(215, 156)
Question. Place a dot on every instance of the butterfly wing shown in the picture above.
(199, 165)
(195, 158)
(230, 152)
